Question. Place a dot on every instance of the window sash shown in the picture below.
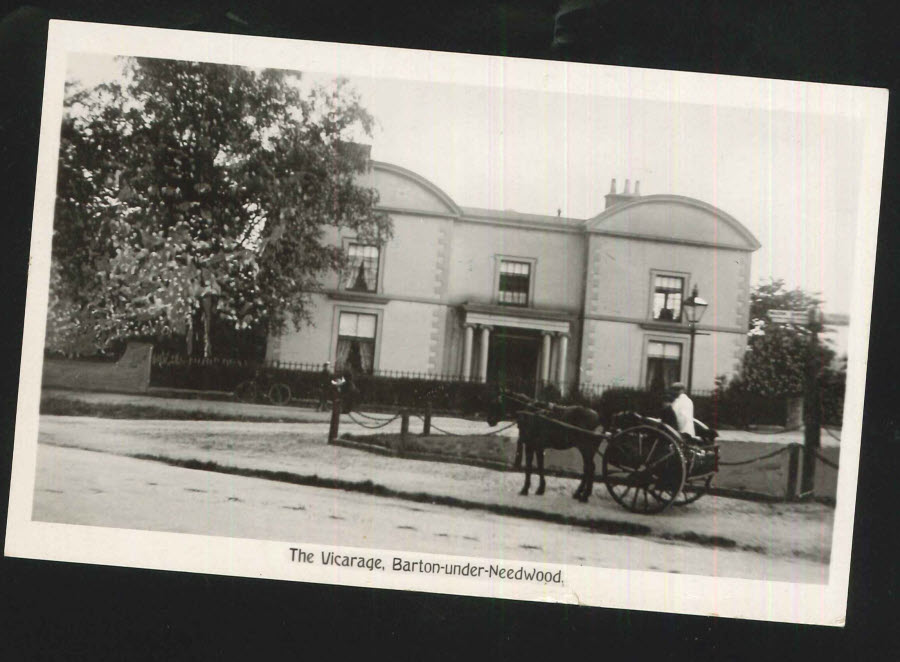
(668, 292)
(515, 283)
(362, 268)
(357, 325)
(664, 350)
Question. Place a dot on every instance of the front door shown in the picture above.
(513, 359)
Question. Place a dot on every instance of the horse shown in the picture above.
(536, 434)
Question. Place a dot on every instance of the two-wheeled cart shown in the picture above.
(647, 465)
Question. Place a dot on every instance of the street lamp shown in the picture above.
(694, 307)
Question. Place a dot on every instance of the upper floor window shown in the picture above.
(515, 283)
(361, 274)
(668, 292)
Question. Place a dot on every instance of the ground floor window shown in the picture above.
(356, 343)
(663, 364)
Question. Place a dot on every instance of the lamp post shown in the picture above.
(694, 307)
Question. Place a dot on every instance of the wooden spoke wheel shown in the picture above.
(280, 394)
(700, 486)
(246, 391)
(644, 469)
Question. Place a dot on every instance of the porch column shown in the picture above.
(545, 359)
(561, 358)
(467, 352)
(483, 358)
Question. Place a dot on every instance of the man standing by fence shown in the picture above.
(325, 386)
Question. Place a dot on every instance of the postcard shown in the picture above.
(414, 320)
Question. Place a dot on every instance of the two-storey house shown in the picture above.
(500, 295)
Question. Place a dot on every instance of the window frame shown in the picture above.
(532, 273)
(670, 340)
(685, 287)
(379, 274)
(336, 332)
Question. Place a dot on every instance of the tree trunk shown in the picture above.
(206, 310)
(189, 336)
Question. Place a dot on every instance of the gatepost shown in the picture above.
(812, 407)
(335, 412)
(426, 426)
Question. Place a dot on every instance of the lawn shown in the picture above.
(761, 477)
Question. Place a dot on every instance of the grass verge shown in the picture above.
(61, 406)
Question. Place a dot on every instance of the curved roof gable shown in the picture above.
(674, 217)
(400, 188)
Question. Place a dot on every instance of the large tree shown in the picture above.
(776, 362)
(192, 191)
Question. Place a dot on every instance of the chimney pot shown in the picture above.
(612, 187)
(637, 187)
(627, 190)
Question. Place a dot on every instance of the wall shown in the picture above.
(614, 354)
(620, 278)
(130, 374)
(558, 272)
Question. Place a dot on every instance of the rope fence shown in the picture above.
(826, 461)
(760, 458)
(373, 418)
(373, 427)
(464, 434)
(831, 434)
(799, 454)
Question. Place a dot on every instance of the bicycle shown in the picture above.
(263, 387)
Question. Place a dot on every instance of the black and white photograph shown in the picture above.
(452, 323)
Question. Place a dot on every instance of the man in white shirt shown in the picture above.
(684, 410)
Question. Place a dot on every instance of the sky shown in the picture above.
(792, 179)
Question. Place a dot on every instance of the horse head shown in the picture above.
(495, 410)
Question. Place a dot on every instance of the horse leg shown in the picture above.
(584, 487)
(540, 463)
(579, 491)
(529, 453)
(517, 462)
(590, 470)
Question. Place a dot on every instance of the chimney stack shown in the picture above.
(615, 198)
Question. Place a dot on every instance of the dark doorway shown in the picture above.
(513, 359)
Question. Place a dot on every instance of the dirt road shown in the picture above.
(798, 533)
(100, 489)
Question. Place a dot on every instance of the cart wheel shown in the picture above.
(280, 394)
(644, 469)
(246, 391)
(701, 487)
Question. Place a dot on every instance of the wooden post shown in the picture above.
(790, 493)
(812, 410)
(335, 414)
(426, 428)
(404, 424)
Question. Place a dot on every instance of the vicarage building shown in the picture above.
(499, 295)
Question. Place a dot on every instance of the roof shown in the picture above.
(512, 215)
(674, 217)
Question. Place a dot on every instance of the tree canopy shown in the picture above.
(193, 190)
(777, 359)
